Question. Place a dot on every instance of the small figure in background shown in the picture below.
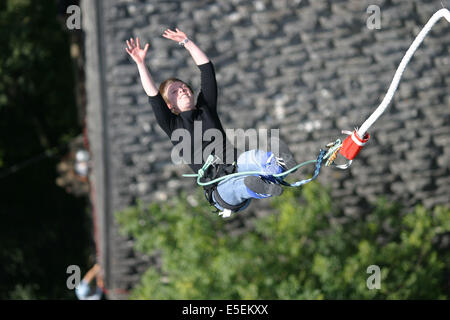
(85, 291)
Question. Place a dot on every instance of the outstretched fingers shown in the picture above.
(167, 34)
(133, 48)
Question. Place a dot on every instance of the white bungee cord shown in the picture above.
(401, 68)
(359, 137)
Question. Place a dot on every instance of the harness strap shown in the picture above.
(225, 205)
(316, 172)
(213, 172)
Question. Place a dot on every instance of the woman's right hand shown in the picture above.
(135, 51)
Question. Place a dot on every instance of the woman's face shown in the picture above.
(180, 97)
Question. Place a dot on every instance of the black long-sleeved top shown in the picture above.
(205, 112)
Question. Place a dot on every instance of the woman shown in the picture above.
(175, 108)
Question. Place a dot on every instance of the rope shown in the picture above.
(315, 175)
(247, 173)
(210, 160)
(401, 68)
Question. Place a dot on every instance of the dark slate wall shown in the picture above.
(308, 68)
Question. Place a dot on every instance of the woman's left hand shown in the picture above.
(176, 35)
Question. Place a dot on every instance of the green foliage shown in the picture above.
(299, 251)
(43, 229)
(22, 292)
(37, 103)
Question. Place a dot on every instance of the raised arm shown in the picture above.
(138, 55)
(208, 76)
(196, 53)
(163, 115)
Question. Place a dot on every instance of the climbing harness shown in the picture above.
(211, 172)
(349, 149)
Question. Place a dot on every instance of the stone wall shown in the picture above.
(308, 68)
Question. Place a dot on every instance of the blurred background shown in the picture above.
(46, 218)
(86, 174)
